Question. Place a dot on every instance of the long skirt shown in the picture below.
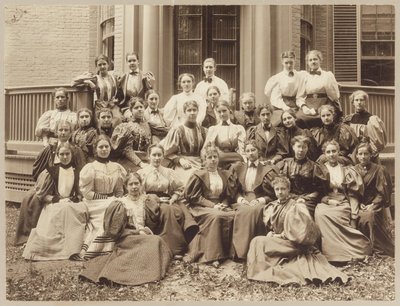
(339, 241)
(177, 227)
(96, 241)
(214, 239)
(29, 214)
(273, 259)
(185, 174)
(248, 223)
(377, 226)
(59, 233)
(135, 260)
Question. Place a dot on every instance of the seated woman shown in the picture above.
(104, 84)
(155, 116)
(130, 220)
(183, 143)
(336, 216)
(365, 125)
(132, 139)
(177, 226)
(308, 179)
(227, 137)
(340, 132)
(104, 122)
(318, 88)
(210, 193)
(373, 221)
(286, 254)
(213, 95)
(86, 134)
(265, 135)
(247, 116)
(31, 205)
(100, 182)
(254, 191)
(173, 110)
(46, 125)
(60, 230)
(287, 131)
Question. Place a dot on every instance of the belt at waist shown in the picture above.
(289, 97)
(107, 194)
(317, 95)
(160, 194)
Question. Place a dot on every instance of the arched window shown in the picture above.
(107, 20)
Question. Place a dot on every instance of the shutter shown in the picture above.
(345, 42)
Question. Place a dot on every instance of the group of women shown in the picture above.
(198, 182)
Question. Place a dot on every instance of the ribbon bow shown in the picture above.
(291, 73)
(154, 111)
(317, 72)
(208, 79)
(253, 165)
(134, 72)
(225, 123)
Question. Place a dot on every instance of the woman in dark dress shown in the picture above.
(336, 216)
(309, 180)
(210, 193)
(86, 134)
(340, 132)
(374, 222)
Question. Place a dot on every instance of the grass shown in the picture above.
(372, 280)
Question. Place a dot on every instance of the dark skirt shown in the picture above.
(214, 239)
(135, 260)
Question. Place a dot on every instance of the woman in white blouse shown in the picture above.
(173, 110)
(319, 88)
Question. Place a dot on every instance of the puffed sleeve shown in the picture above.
(170, 110)
(44, 185)
(347, 140)
(193, 192)
(86, 181)
(152, 212)
(119, 185)
(80, 79)
(302, 92)
(171, 143)
(270, 85)
(43, 123)
(175, 184)
(122, 141)
(283, 144)
(267, 183)
(267, 214)
(202, 109)
(251, 133)
(331, 87)
(211, 135)
(241, 137)
(44, 158)
(90, 139)
(321, 178)
(79, 158)
(384, 186)
(353, 182)
(375, 130)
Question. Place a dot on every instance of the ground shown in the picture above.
(372, 280)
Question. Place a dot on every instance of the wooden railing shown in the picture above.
(24, 106)
(381, 103)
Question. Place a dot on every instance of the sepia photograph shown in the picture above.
(186, 152)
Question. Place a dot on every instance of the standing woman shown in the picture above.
(104, 84)
(336, 216)
(309, 180)
(227, 137)
(177, 226)
(100, 182)
(287, 131)
(173, 110)
(365, 125)
(155, 116)
(378, 188)
(133, 138)
(136, 83)
(183, 143)
(210, 193)
(31, 205)
(330, 130)
(60, 230)
(213, 95)
(319, 88)
(86, 134)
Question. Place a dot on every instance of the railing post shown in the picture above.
(7, 116)
(83, 97)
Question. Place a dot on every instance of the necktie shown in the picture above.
(291, 73)
(208, 80)
(225, 123)
(154, 112)
(266, 127)
(253, 165)
(317, 72)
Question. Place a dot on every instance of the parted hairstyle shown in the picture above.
(364, 145)
(359, 92)
(101, 57)
(208, 149)
(104, 110)
(280, 179)
(65, 145)
(84, 110)
(316, 52)
(155, 145)
(213, 87)
(330, 142)
(134, 53)
(291, 112)
(63, 89)
(149, 92)
(191, 76)
(190, 103)
(64, 122)
(98, 139)
(134, 100)
(300, 139)
(326, 107)
(130, 175)
(251, 142)
(264, 106)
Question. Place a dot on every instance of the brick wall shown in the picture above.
(296, 15)
(323, 34)
(46, 45)
(119, 59)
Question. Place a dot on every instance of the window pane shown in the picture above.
(189, 27)
(229, 75)
(377, 72)
(196, 70)
(225, 10)
(385, 49)
(189, 52)
(368, 49)
(384, 10)
(368, 10)
(189, 9)
(224, 52)
(224, 27)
